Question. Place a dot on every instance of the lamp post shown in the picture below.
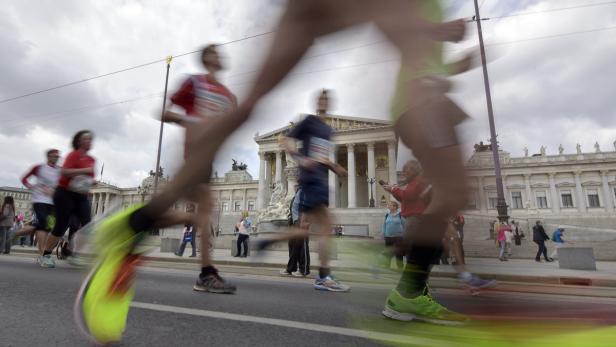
(501, 204)
(371, 181)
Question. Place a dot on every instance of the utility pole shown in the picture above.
(501, 203)
(160, 135)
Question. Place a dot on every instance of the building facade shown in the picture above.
(578, 186)
(366, 148)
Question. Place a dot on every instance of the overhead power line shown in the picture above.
(551, 10)
(121, 70)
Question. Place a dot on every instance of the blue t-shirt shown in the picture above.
(394, 225)
(315, 137)
(558, 236)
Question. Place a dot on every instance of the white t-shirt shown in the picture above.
(46, 181)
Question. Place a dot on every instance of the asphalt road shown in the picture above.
(36, 310)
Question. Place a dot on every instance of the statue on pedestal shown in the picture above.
(578, 148)
(597, 148)
(560, 149)
(542, 150)
(525, 151)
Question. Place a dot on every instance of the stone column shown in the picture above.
(332, 180)
(231, 207)
(107, 199)
(392, 162)
(580, 192)
(529, 198)
(371, 173)
(262, 183)
(99, 203)
(278, 176)
(555, 198)
(607, 194)
(352, 176)
(482, 195)
(244, 200)
(93, 207)
(291, 172)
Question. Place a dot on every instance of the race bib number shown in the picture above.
(81, 184)
(319, 149)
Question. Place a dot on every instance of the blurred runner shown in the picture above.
(203, 98)
(314, 165)
(103, 301)
(47, 176)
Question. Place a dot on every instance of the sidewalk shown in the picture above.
(514, 270)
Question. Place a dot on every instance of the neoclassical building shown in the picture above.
(366, 148)
(563, 185)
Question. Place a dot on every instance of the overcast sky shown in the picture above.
(545, 91)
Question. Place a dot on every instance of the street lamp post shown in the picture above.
(162, 124)
(501, 203)
(371, 180)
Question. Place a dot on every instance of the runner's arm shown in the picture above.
(32, 172)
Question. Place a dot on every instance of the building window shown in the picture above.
(593, 198)
(225, 207)
(516, 200)
(567, 198)
(542, 199)
(237, 206)
(251, 205)
(492, 200)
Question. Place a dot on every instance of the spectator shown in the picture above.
(243, 229)
(299, 251)
(509, 240)
(188, 236)
(518, 234)
(539, 237)
(501, 238)
(558, 239)
(7, 218)
(393, 231)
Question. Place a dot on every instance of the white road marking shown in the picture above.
(394, 338)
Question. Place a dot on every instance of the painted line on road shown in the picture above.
(395, 338)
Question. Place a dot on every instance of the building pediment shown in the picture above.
(565, 185)
(338, 123)
(591, 184)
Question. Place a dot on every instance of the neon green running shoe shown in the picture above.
(422, 308)
(102, 304)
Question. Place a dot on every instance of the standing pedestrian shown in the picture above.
(518, 233)
(187, 237)
(501, 237)
(509, 241)
(299, 250)
(559, 241)
(7, 219)
(539, 237)
(243, 229)
(393, 232)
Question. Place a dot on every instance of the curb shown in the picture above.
(553, 280)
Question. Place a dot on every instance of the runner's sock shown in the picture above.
(140, 222)
(323, 272)
(208, 270)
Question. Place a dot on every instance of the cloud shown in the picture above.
(545, 92)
